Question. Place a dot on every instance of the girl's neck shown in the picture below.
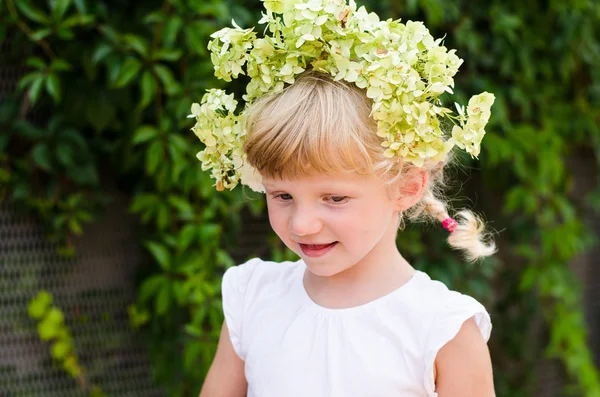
(377, 275)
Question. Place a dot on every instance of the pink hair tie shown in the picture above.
(449, 224)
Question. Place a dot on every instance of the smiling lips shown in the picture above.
(316, 250)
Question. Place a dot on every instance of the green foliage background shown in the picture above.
(103, 103)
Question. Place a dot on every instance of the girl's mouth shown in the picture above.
(316, 250)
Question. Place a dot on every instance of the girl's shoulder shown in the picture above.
(445, 308)
(256, 273)
(441, 313)
(436, 294)
(247, 288)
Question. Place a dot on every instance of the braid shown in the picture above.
(468, 235)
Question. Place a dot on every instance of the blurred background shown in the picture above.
(113, 241)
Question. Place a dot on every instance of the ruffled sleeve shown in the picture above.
(457, 309)
(233, 288)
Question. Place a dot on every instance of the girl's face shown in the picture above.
(333, 222)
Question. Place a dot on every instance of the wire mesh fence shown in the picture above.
(93, 290)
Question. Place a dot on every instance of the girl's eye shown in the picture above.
(284, 196)
(338, 199)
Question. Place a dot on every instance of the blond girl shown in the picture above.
(342, 133)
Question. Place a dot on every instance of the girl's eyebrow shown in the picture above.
(268, 186)
(270, 182)
(274, 189)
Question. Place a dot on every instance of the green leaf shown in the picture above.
(21, 190)
(128, 71)
(186, 235)
(163, 299)
(180, 293)
(113, 64)
(60, 65)
(36, 62)
(168, 55)
(154, 17)
(160, 253)
(191, 265)
(144, 201)
(47, 330)
(26, 129)
(60, 350)
(31, 12)
(181, 204)
(64, 154)
(154, 157)
(35, 89)
(144, 133)
(41, 156)
(151, 286)
(179, 141)
(41, 34)
(65, 33)
(80, 5)
(55, 316)
(148, 88)
(192, 330)
(172, 29)
(195, 38)
(110, 33)
(167, 79)
(28, 80)
(192, 355)
(75, 227)
(59, 7)
(101, 51)
(77, 20)
(223, 258)
(53, 86)
(179, 166)
(39, 305)
(86, 175)
(209, 232)
(163, 216)
(137, 317)
(54, 125)
(137, 43)
(71, 366)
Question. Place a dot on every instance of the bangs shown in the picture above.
(315, 125)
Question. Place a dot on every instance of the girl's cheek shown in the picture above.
(277, 220)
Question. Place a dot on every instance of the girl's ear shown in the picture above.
(411, 188)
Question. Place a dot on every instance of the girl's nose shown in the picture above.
(305, 223)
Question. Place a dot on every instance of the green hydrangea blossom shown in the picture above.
(403, 69)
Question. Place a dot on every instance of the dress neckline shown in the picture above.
(307, 300)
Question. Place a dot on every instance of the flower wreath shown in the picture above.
(403, 69)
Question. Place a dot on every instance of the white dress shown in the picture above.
(293, 347)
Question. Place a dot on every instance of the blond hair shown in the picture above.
(324, 126)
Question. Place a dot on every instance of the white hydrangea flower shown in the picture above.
(220, 130)
(250, 177)
(403, 69)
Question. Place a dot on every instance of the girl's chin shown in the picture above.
(324, 269)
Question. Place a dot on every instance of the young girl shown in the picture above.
(343, 160)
